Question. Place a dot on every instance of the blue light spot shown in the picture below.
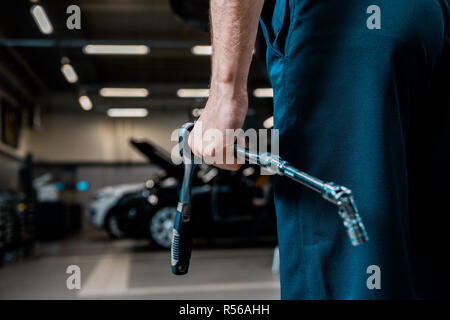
(82, 186)
(59, 186)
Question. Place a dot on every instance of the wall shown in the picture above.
(79, 138)
(10, 161)
(92, 147)
(89, 137)
(8, 171)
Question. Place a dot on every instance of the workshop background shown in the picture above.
(88, 108)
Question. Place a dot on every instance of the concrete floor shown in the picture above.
(129, 269)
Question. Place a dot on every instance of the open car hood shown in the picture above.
(158, 157)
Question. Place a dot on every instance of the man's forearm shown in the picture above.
(234, 24)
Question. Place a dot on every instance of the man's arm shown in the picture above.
(234, 24)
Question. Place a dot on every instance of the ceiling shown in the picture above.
(30, 61)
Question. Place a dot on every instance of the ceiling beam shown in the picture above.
(68, 101)
(78, 43)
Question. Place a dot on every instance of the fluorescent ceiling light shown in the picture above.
(197, 112)
(263, 93)
(41, 19)
(268, 123)
(69, 73)
(127, 112)
(85, 103)
(202, 50)
(116, 49)
(124, 92)
(193, 93)
(205, 50)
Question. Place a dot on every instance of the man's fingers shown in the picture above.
(194, 145)
(214, 151)
(231, 167)
(240, 140)
(209, 149)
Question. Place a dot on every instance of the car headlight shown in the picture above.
(153, 199)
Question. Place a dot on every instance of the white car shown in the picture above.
(104, 200)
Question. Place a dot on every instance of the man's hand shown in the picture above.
(222, 112)
(234, 24)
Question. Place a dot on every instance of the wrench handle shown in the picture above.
(181, 240)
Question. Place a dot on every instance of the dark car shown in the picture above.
(225, 205)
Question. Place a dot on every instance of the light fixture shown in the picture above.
(197, 112)
(127, 112)
(201, 50)
(263, 93)
(116, 49)
(268, 123)
(85, 103)
(69, 73)
(124, 92)
(153, 199)
(149, 184)
(205, 50)
(193, 93)
(41, 19)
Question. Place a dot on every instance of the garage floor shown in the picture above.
(128, 269)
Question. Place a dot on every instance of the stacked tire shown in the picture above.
(17, 228)
(57, 220)
(2, 233)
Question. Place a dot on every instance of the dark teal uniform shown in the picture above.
(350, 97)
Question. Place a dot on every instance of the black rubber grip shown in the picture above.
(182, 240)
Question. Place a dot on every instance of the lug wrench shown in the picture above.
(340, 196)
